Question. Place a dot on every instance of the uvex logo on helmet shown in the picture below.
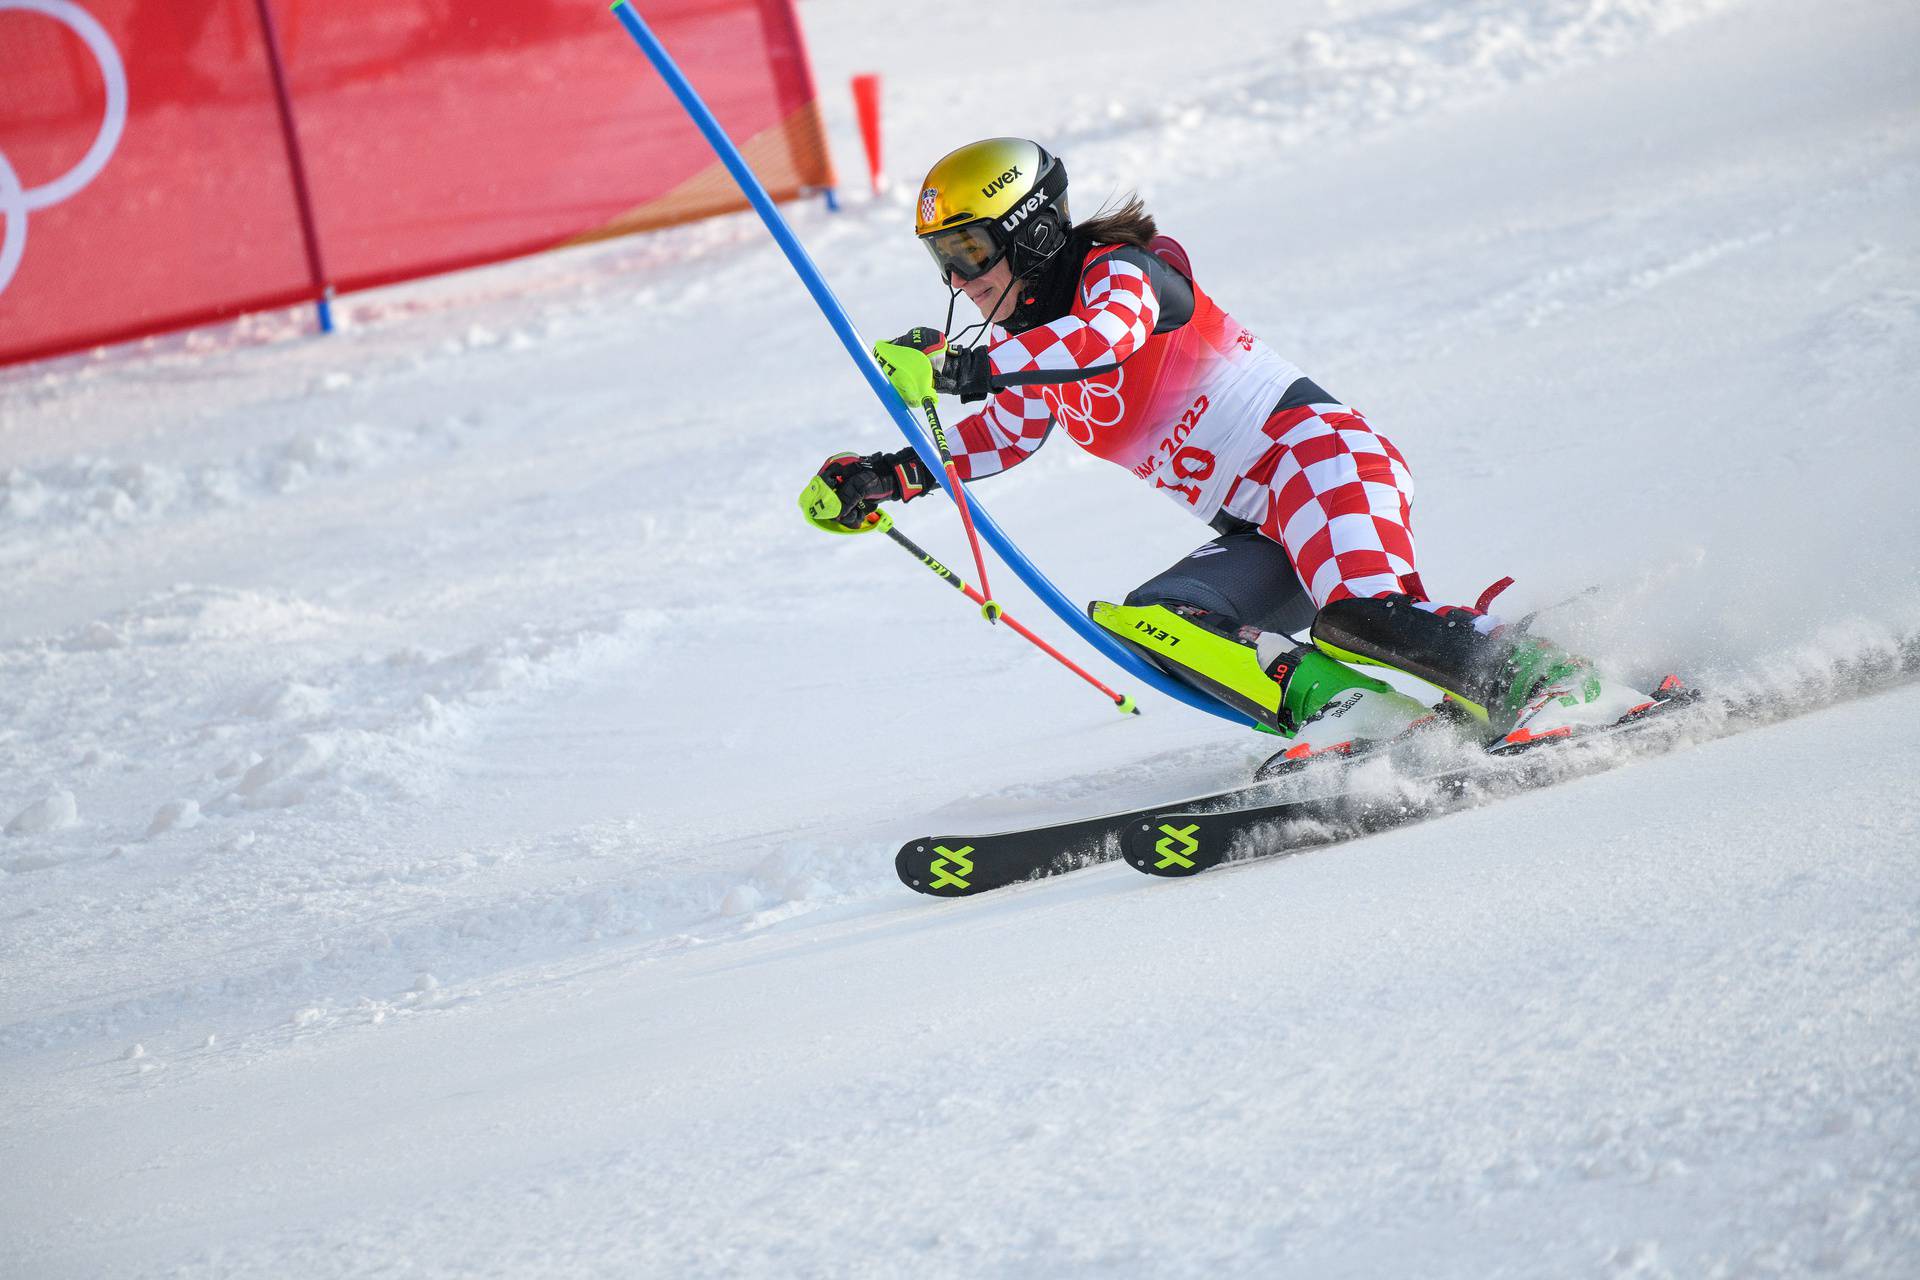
(1024, 211)
(1000, 181)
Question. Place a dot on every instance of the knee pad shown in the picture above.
(1242, 576)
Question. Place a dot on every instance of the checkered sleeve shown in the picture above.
(1113, 316)
(1006, 432)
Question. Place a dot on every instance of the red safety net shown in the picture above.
(137, 210)
(433, 134)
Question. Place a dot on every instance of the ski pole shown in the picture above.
(989, 608)
(1124, 702)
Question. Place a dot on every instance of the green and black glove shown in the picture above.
(841, 497)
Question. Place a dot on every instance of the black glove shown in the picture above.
(957, 371)
(861, 482)
(965, 373)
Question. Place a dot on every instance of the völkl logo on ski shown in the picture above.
(1176, 857)
(951, 875)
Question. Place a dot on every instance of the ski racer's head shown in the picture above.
(992, 213)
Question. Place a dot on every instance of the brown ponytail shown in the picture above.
(1130, 223)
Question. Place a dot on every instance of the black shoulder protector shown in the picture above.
(1174, 290)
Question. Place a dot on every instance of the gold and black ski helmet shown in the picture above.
(992, 199)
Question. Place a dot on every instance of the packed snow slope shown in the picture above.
(449, 795)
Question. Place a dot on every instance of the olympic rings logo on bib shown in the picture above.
(1084, 407)
(18, 201)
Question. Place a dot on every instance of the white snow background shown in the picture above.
(449, 795)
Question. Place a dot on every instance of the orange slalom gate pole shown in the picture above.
(866, 101)
(1120, 700)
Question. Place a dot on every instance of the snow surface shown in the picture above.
(448, 796)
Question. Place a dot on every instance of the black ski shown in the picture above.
(959, 866)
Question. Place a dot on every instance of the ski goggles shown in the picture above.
(968, 251)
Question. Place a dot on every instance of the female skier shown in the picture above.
(1100, 329)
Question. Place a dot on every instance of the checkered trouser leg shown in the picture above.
(1340, 500)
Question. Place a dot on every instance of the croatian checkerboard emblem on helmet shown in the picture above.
(929, 201)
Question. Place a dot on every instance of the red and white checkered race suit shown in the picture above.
(1192, 412)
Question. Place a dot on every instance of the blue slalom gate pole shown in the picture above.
(836, 314)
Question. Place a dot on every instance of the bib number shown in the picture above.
(1189, 463)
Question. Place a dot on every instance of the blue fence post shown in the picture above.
(836, 315)
(297, 168)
